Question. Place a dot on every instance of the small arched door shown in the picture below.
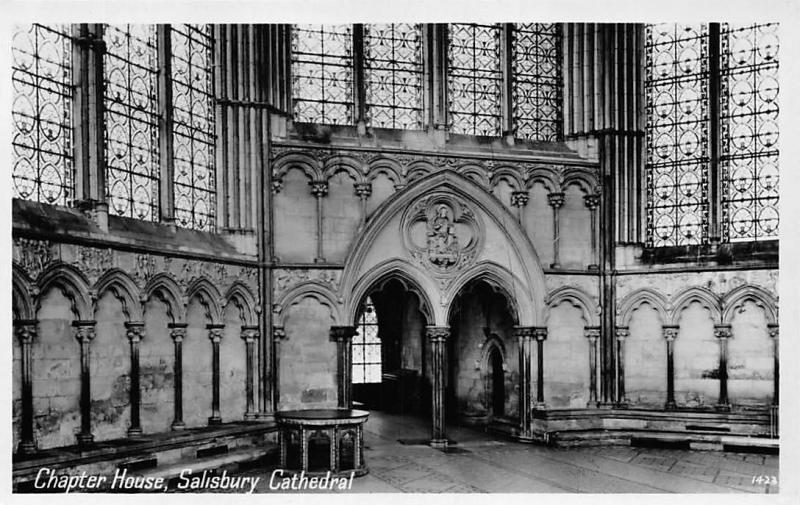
(497, 381)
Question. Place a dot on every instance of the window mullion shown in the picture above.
(167, 161)
(359, 90)
(715, 179)
(506, 58)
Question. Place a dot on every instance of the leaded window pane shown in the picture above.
(193, 126)
(366, 347)
(749, 136)
(322, 73)
(41, 114)
(537, 85)
(676, 88)
(132, 117)
(393, 75)
(475, 79)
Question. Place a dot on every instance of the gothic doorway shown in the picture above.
(497, 389)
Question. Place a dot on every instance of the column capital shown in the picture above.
(556, 199)
(622, 332)
(342, 333)
(177, 332)
(134, 331)
(437, 333)
(215, 332)
(722, 330)
(540, 332)
(363, 189)
(591, 201)
(84, 330)
(278, 333)
(25, 330)
(319, 188)
(591, 332)
(772, 329)
(670, 332)
(519, 198)
(250, 333)
(524, 331)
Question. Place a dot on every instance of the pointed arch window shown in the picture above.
(366, 346)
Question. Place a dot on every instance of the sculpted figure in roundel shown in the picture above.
(442, 240)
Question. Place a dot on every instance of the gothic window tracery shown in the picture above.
(42, 114)
(366, 347)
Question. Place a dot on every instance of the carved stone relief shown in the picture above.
(33, 255)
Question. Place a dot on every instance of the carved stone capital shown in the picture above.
(278, 333)
(591, 332)
(215, 332)
(555, 200)
(722, 331)
(343, 333)
(437, 333)
(591, 201)
(177, 331)
(363, 189)
(772, 329)
(540, 333)
(250, 334)
(623, 332)
(134, 331)
(670, 332)
(319, 188)
(524, 331)
(519, 198)
(25, 330)
(84, 331)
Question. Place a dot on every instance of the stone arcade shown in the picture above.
(212, 248)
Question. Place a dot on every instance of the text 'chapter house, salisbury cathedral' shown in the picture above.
(461, 258)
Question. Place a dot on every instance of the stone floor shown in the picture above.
(484, 464)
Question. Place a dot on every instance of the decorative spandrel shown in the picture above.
(676, 88)
(193, 127)
(537, 81)
(749, 136)
(442, 234)
(322, 73)
(132, 118)
(393, 75)
(42, 114)
(475, 79)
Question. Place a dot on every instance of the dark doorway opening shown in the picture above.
(498, 400)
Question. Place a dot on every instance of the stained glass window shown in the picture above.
(475, 79)
(193, 126)
(393, 75)
(536, 71)
(322, 73)
(42, 119)
(366, 347)
(676, 88)
(749, 138)
(132, 116)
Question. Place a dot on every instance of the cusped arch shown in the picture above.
(475, 172)
(501, 280)
(164, 287)
(242, 298)
(520, 251)
(72, 284)
(341, 163)
(22, 294)
(209, 297)
(585, 179)
(291, 160)
(418, 170)
(701, 295)
(409, 275)
(737, 297)
(636, 299)
(119, 283)
(308, 289)
(543, 176)
(387, 166)
(578, 298)
(509, 174)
